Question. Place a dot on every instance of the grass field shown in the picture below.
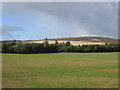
(60, 70)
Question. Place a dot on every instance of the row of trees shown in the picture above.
(27, 48)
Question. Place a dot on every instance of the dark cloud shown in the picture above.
(6, 31)
(92, 18)
(10, 28)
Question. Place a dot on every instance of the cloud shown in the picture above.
(69, 19)
(10, 28)
(7, 29)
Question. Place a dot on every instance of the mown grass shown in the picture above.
(60, 70)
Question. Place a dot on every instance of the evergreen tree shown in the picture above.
(46, 42)
(68, 43)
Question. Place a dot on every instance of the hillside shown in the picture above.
(77, 40)
(80, 40)
(89, 39)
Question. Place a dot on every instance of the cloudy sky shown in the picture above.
(38, 20)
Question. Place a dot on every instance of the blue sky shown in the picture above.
(38, 20)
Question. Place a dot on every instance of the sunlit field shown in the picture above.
(60, 70)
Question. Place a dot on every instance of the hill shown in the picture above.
(89, 39)
(80, 40)
(77, 40)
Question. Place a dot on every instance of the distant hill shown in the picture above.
(89, 39)
(78, 40)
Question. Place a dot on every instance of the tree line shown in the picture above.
(30, 48)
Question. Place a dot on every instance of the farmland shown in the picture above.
(79, 40)
(75, 43)
(60, 70)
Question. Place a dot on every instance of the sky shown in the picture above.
(39, 20)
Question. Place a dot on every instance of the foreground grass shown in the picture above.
(60, 70)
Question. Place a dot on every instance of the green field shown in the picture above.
(60, 70)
